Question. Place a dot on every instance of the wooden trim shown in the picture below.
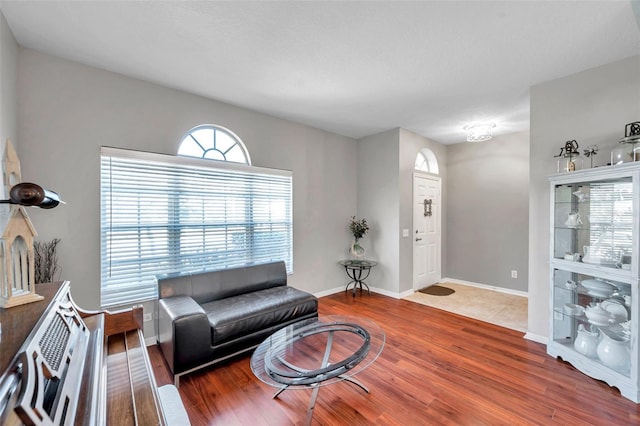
(119, 321)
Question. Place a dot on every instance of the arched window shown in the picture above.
(215, 143)
(426, 161)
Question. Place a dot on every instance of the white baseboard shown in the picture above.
(536, 338)
(382, 291)
(150, 341)
(329, 292)
(387, 293)
(406, 293)
(486, 287)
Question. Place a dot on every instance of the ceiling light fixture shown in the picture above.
(479, 132)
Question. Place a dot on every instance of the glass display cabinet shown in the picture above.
(594, 273)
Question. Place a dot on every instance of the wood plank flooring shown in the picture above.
(437, 368)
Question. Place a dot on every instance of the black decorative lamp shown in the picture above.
(569, 158)
(29, 194)
(629, 148)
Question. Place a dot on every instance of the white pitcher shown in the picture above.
(587, 342)
(573, 219)
(614, 352)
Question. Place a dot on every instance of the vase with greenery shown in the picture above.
(358, 228)
(45, 260)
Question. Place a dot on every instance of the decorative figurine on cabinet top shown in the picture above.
(590, 153)
(569, 158)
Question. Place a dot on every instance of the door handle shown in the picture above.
(418, 239)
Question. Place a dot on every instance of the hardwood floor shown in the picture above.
(436, 368)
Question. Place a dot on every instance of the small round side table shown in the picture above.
(358, 271)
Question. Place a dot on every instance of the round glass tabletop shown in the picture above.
(358, 263)
(318, 351)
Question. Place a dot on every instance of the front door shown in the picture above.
(427, 209)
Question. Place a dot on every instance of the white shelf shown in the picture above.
(599, 271)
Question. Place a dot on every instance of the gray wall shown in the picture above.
(487, 205)
(68, 110)
(591, 107)
(378, 202)
(8, 86)
(8, 102)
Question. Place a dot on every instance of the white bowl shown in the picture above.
(598, 316)
(573, 309)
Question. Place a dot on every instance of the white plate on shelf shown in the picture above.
(595, 293)
(616, 309)
(598, 287)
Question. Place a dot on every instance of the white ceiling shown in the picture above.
(353, 68)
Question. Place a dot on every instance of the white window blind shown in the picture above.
(611, 219)
(162, 214)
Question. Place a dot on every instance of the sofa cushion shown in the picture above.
(245, 313)
(205, 287)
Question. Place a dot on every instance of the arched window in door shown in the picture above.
(426, 161)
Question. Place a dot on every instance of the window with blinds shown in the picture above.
(611, 220)
(163, 214)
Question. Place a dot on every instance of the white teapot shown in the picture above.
(597, 315)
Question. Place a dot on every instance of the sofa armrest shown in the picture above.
(184, 332)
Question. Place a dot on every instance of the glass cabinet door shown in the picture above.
(592, 316)
(593, 223)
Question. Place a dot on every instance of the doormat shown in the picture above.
(437, 290)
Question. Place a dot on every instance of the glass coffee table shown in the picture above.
(318, 352)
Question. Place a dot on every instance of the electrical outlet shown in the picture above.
(147, 317)
(514, 274)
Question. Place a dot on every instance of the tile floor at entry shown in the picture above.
(503, 309)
